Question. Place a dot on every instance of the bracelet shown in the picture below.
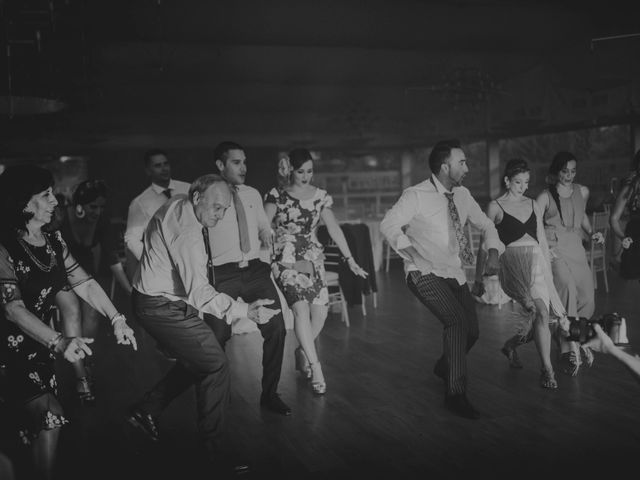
(117, 316)
(346, 259)
(53, 343)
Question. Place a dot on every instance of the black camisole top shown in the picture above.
(511, 229)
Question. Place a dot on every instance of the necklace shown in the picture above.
(52, 258)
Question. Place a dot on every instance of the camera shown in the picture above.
(581, 329)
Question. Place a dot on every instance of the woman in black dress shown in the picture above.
(92, 242)
(34, 267)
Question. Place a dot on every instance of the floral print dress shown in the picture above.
(298, 263)
(34, 275)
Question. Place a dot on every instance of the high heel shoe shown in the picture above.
(548, 378)
(570, 363)
(586, 355)
(84, 391)
(512, 356)
(318, 387)
(302, 363)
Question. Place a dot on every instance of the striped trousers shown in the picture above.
(454, 306)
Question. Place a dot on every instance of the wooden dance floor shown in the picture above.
(382, 416)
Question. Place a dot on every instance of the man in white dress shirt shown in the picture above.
(239, 272)
(425, 228)
(142, 208)
(170, 287)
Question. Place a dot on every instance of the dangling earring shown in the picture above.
(80, 211)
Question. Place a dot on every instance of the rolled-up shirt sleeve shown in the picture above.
(480, 220)
(190, 260)
(136, 224)
(397, 217)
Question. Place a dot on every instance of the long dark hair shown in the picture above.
(560, 161)
(18, 184)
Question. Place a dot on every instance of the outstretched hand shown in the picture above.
(601, 342)
(260, 314)
(357, 269)
(74, 348)
(124, 333)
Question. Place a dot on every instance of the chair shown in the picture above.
(332, 257)
(389, 253)
(597, 254)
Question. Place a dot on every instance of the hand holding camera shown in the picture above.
(582, 329)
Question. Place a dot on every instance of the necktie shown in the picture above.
(464, 251)
(243, 227)
(167, 193)
(207, 247)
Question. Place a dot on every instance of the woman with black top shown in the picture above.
(525, 271)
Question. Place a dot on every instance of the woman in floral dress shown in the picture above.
(296, 208)
(34, 267)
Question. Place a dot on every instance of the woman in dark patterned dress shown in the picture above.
(296, 208)
(34, 267)
(629, 199)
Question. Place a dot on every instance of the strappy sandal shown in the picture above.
(570, 362)
(84, 393)
(548, 379)
(586, 355)
(512, 356)
(319, 388)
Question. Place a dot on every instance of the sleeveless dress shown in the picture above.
(34, 275)
(298, 259)
(630, 260)
(572, 275)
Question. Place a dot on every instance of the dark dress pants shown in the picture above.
(200, 361)
(253, 283)
(454, 306)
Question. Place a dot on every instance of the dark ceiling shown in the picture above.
(322, 74)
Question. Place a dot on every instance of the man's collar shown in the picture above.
(439, 187)
(158, 189)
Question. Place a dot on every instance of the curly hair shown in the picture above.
(87, 191)
(18, 184)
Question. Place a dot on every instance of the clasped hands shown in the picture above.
(260, 314)
(597, 237)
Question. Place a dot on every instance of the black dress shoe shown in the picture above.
(276, 405)
(459, 404)
(144, 423)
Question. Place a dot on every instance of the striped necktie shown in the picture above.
(464, 250)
